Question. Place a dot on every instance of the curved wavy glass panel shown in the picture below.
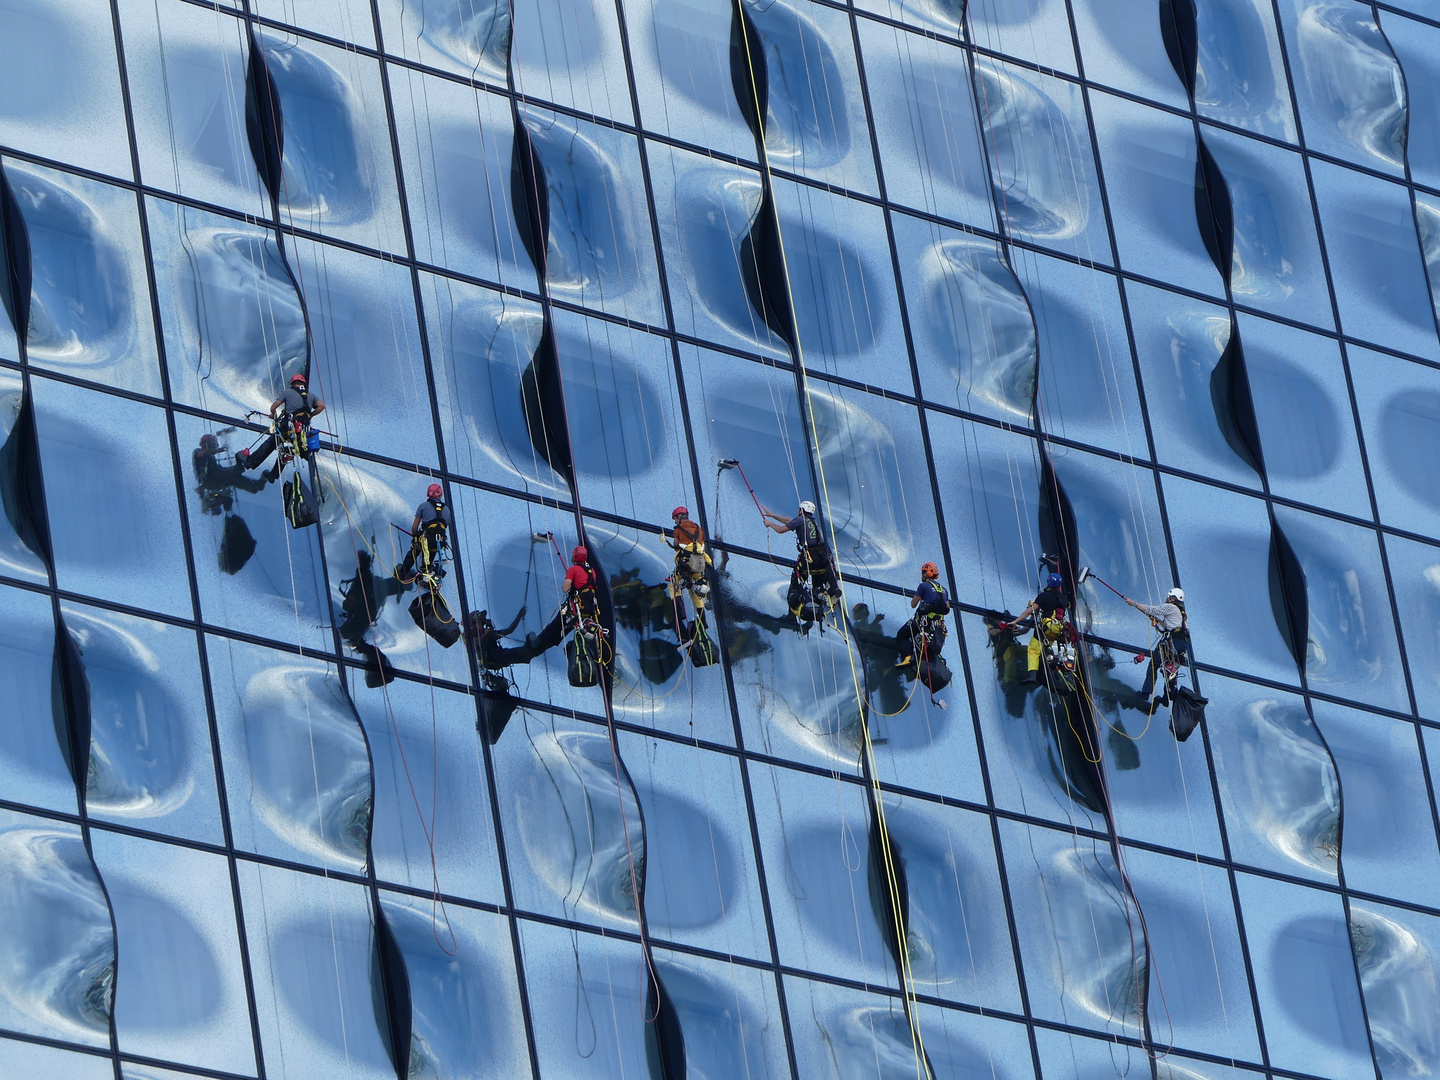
(1396, 952)
(1302, 410)
(600, 251)
(1390, 844)
(110, 494)
(681, 52)
(431, 822)
(574, 828)
(1149, 158)
(57, 970)
(946, 17)
(180, 987)
(150, 760)
(348, 20)
(1275, 263)
(1198, 982)
(1180, 341)
(89, 304)
(186, 71)
(17, 560)
(1415, 574)
(815, 121)
(1084, 954)
(1041, 164)
(814, 840)
(32, 765)
(845, 1033)
(706, 210)
(297, 770)
(1278, 784)
(1101, 1059)
(1353, 650)
(366, 359)
(701, 887)
(60, 91)
(1305, 978)
(1240, 74)
(339, 175)
(1427, 226)
(970, 323)
(457, 150)
(572, 54)
(1348, 86)
(925, 124)
(1223, 549)
(1416, 46)
(471, 40)
(464, 1006)
(1122, 46)
(230, 310)
(311, 944)
(1375, 260)
(1033, 30)
(729, 1015)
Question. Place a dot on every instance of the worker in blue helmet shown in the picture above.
(1049, 609)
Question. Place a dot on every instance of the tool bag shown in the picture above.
(702, 648)
(300, 508)
(582, 656)
(935, 674)
(432, 615)
(1187, 711)
(236, 546)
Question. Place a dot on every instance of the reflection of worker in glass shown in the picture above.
(1048, 607)
(1173, 648)
(217, 481)
(813, 563)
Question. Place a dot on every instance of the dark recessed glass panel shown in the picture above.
(32, 764)
(730, 1016)
(17, 560)
(1240, 75)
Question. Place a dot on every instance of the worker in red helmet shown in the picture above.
(429, 538)
(925, 633)
(292, 413)
(579, 585)
(687, 540)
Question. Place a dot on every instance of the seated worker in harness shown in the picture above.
(1173, 648)
(218, 482)
(925, 633)
(814, 565)
(429, 539)
(691, 558)
(582, 605)
(1051, 627)
(291, 414)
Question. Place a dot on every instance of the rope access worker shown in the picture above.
(292, 413)
(218, 482)
(926, 628)
(691, 558)
(1048, 607)
(1169, 618)
(429, 535)
(578, 587)
(813, 560)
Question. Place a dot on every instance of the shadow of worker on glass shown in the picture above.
(216, 481)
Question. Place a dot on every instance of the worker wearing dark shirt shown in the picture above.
(218, 482)
(429, 532)
(1049, 608)
(292, 412)
(926, 628)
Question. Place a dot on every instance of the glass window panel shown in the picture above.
(180, 990)
(1396, 953)
(1042, 166)
(1375, 260)
(730, 1016)
(1415, 572)
(1302, 410)
(472, 40)
(1240, 74)
(1037, 30)
(186, 68)
(1399, 405)
(150, 760)
(1149, 159)
(1080, 937)
(60, 91)
(1064, 1054)
(701, 887)
(1275, 264)
(1278, 784)
(816, 123)
(1417, 46)
(89, 297)
(1348, 86)
(32, 765)
(1305, 979)
(1389, 843)
(1352, 649)
(681, 52)
(944, 16)
(925, 124)
(110, 495)
(347, 21)
(34, 1059)
(572, 54)
(17, 559)
(814, 838)
(1121, 45)
(457, 147)
(600, 248)
(312, 951)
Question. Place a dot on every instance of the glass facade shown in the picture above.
(1140, 286)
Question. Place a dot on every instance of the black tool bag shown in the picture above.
(496, 707)
(432, 615)
(935, 674)
(1187, 711)
(236, 546)
(659, 660)
(582, 654)
(702, 648)
(300, 506)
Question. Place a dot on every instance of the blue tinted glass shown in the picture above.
(571, 54)
(1240, 74)
(1030, 30)
(1121, 45)
(473, 40)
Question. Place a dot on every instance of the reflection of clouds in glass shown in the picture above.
(474, 34)
(1101, 955)
(1354, 78)
(862, 481)
(1291, 794)
(1398, 974)
(1238, 78)
(807, 126)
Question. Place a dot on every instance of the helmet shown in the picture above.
(209, 443)
(1054, 581)
(579, 555)
(860, 611)
(807, 507)
(679, 511)
(434, 491)
(298, 379)
(929, 570)
(1176, 594)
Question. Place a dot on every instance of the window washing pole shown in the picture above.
(734, 463)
